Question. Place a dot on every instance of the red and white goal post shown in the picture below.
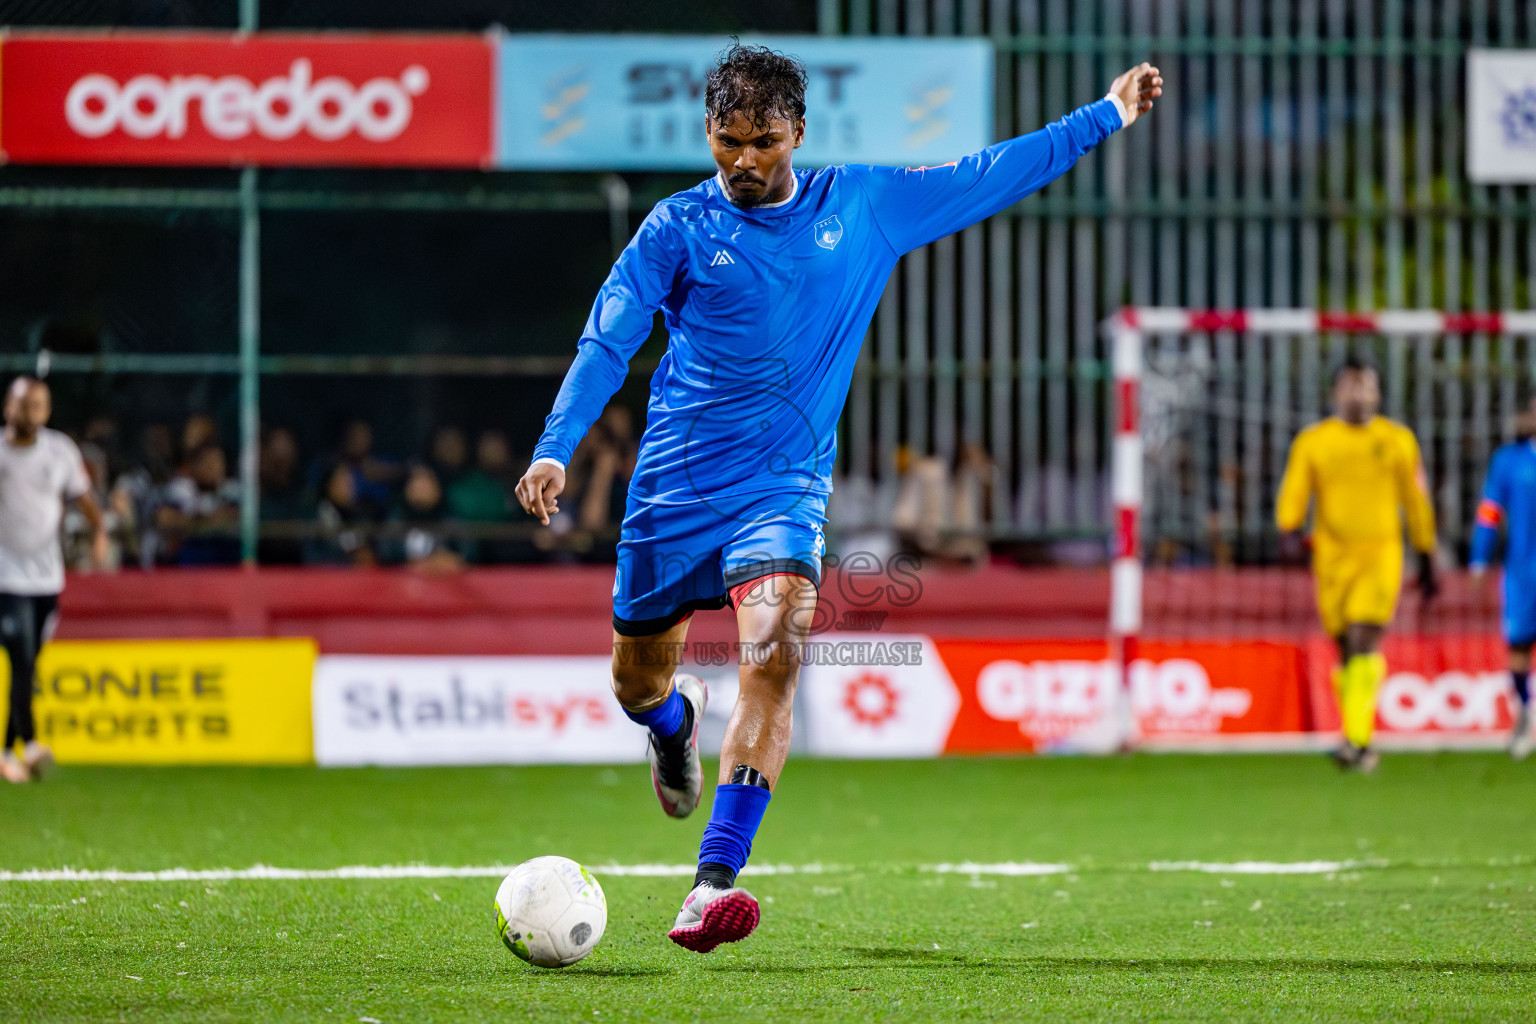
(1127, 334)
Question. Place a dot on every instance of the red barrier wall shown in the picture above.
(542, 610)
(566, 609)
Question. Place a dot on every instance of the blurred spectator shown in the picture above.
(373, 478)
(940, 512)
(96, 467)
(157, 453)
(198, 431)
(199, 515)
(450, 454)
(136, 494)
(345, 523)
(610, 462)
(493, 456)
(102, 437)
(283, 496)
(421, 512)
(485, 493)
(597, 486)
(171, 499)
(80, 551)
(858, 518)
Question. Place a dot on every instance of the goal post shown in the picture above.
(1446, 382)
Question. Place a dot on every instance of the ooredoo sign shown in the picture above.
(195, 98)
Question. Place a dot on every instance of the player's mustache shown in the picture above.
(737, 179)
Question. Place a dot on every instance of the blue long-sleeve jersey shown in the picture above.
(1509, 501)
(766, 309)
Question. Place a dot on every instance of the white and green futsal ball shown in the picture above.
(550, 911)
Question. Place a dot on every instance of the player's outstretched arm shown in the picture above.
(620, 321)
(915, 206)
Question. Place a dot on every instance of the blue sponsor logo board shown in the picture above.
(637, 102)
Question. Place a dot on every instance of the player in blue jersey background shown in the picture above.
(1509, 504)
(766, 277)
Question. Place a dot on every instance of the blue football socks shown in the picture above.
(733, 824)
(1522, 686)
(664, 720)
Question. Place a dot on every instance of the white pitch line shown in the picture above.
(260, 872)
(1016, 869)
(1265, 867)
(1010, 868)
(263, 872)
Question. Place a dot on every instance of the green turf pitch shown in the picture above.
(1435, 921)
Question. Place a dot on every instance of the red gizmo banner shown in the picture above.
(220, 99)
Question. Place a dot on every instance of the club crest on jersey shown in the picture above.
(828, 232)
(721, 259)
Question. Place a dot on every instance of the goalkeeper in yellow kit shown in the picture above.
(1368, 478)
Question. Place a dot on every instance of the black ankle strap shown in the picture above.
(745, 775)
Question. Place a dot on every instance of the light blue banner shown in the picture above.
(637, 102)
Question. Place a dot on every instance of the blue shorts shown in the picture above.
(675, 559)
(1519, 609)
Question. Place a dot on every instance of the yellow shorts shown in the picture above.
(1357, 583)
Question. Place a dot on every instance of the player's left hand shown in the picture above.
(1137, 88)
(1429, 582)
(539, 488)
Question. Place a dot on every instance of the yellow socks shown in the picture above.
(1357, 684)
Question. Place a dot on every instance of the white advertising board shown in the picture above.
(873, 695)
(469, 710)
(1501, 116)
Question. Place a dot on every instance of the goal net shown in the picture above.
(1208, 403)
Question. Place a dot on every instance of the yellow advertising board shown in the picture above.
(176, 701)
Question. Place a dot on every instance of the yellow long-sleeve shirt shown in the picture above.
(1367, 480)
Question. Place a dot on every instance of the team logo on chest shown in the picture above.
(828, 232)
(721, 259)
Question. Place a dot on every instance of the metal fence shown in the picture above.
(1307, 153)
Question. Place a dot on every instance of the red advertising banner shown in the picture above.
(1043, 695)
(200, 98)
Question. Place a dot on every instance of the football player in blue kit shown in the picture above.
(767, 278)
(1509, 504)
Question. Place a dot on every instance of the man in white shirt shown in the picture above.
(40, 469)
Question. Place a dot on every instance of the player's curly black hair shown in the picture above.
(756, 82)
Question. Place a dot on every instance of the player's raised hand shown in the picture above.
(1137, 88)
(539, 488)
